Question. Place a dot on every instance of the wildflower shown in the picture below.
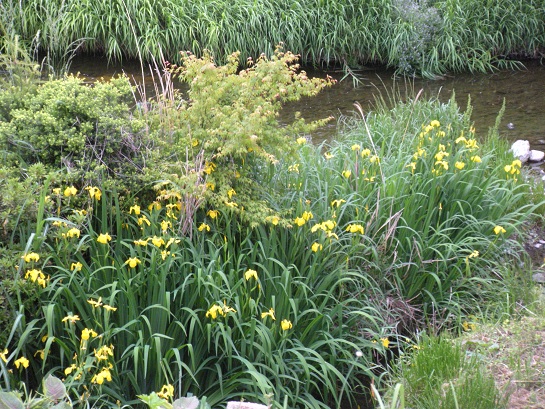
(328, 155)
(195, 142)
(269, 313)
(135, 209)
(88, 333)
(97, 303)
(294, 168)
(36, 276)
(385, 342)
(103, 375)
(337, 202)
(439, 156)
(132, 262)
(70, 191)
(165, 225)
(167, 391)
(476, 159)
(21, 362)
(461, 139)
(104, 352)
(164, 254)
(154, 206)
(273, 219)
(170, 241)
(355, 147)
(231, 204)
(359, 354)
(468, 326)
(157, 241)
(346, 173)
(214, 311)
(374, 159)
(209, 167)
(210, 185)
(355, 228)
(299, 221)
(301, 140)
(71, 318)
(69, 370)
(231, 193)
(213, 214)
(307, 216)
(227, 309)
(57, 191)
(459, 165)
(412, 166)
(109, 308)
(471, 144)
(435, 123)
(473, 254)
(316, 247)
(499, 230)
(366, 152)
(204, 226)
(286, 325)
(3, 355)
(73, 232)
(143, 219)
(249, 274)
(31, 257)
(104, 238)
(94, 192)
(141, 242)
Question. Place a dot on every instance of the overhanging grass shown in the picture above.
(413, 36)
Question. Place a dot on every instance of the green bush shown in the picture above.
(67, 124)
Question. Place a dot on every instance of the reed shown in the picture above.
(415, 37)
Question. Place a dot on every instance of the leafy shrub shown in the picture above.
(215, 143)
(85, 129)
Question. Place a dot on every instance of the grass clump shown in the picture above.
(438, 373)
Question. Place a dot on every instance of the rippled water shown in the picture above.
(523, 91)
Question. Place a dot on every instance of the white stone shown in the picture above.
(521, 150)
(245, 405)
(536, 156)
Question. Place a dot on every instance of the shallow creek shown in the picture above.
(523, 91)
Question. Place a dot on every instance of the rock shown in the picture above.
(536, 156)
(539, 277)
(245, 405)
(521, 150)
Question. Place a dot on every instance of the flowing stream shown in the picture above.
(523, 91)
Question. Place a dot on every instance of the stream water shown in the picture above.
(523, 91)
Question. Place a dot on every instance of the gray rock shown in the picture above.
(536, 156)
(521, 150)
(539, 277)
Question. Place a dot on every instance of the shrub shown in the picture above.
(87, 130)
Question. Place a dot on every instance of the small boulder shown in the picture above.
(539, 278)
(536, 156)
(245, 405)
(521, 150)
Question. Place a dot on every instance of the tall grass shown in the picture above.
(438, 205)
(415, 37)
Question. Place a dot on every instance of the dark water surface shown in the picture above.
(523, 91)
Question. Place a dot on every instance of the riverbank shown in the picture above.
(412, 37)
(195, 246)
